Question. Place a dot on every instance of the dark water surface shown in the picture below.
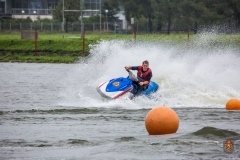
(100, 133)
(52, 111)
(37, 121)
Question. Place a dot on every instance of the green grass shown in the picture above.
(46, 43)
(67, 48)
(39, 58)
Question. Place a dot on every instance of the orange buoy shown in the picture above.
(161, 120)
(233, 104)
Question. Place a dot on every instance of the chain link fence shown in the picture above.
(56, 27)
(119, 27)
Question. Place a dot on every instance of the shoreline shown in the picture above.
(53, 48)
(41, 57)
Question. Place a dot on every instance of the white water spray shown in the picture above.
(193, 75)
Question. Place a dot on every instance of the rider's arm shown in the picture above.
(134, 67)
(148, 78)
(145, 82)
(131, 67)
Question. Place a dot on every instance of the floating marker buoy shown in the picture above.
(161, 120)
(233, 104)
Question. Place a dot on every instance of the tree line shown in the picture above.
(163, 15)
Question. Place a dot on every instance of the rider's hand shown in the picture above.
(141, 83)
(127, 67)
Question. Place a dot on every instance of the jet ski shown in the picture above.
(124, 87)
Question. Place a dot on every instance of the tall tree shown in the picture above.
(131, 9)
(229, 10)
(163, 14)
(138, 9)
(112, 6)
(165, 11)
(235, 5)
(69, 16)
(158, 15)
(145, 8)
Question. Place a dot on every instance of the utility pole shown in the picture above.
(100, 17)
(82, 25)
(63, 16)
(106, 18)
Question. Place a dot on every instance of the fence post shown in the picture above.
(188, 35)
(51, 27)
(41, 26)
(93, 27)
(10, 27)
(36, 37)
(31, 26)
(135, 35)
(126, 27)
(107, 26)
(83, 42)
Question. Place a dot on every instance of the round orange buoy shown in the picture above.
(161, 120)
(233, 104)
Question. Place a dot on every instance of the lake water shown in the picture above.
(52, 111)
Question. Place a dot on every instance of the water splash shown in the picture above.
(197, 74)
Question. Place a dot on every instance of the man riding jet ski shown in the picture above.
(144, 76)
(131, 86)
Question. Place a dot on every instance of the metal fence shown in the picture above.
(54, 27)
(116, 27)
(57, 27)
(29, 11)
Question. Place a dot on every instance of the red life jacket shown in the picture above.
(143, 75)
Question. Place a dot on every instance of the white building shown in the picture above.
(39, 8)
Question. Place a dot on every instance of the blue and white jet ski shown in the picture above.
(124, 87)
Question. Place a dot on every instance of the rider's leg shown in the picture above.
(140, 89)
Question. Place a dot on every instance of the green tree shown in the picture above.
(147, 11)
(166, 12)
(131, 9)
(235, 6)
(69, 16)
(228, 11)
(138, 9)
(162, 14)
(112, 6)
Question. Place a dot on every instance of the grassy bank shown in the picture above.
(51, 48)
(30, 58)
(67, 48)
(46, 43)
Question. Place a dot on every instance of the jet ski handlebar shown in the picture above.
(132, 76)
